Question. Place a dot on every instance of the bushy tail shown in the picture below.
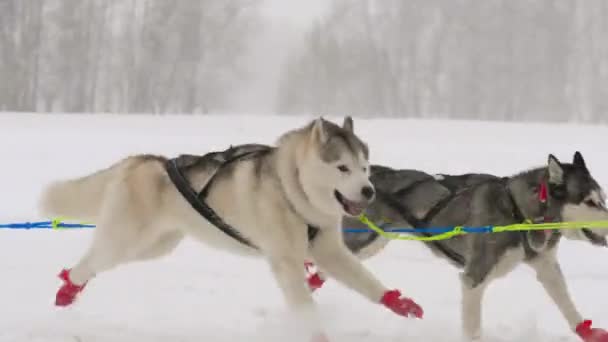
(79, 198)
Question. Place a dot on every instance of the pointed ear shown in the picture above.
(579, 161)
(348, 124)
(556, 171)
(318, 131)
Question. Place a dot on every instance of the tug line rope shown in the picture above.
(54, 224)
(450, 232)
(390, 233)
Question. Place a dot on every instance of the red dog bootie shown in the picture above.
(68, 291)
(589, 334)
(314, 280)
(401, 306)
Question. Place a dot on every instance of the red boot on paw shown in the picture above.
(315, 282)
(68, 291)
(401, 306)
(589, 334)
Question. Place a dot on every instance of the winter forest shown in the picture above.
(513, 60)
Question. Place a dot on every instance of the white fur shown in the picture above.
(549, 274)
(140, 215)
(472, 297)
(583, 212)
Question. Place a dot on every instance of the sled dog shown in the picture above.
(553, 193)
(284, 203)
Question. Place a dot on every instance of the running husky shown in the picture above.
(284, 203)
(557, 192)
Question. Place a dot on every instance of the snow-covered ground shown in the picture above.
(197, 294)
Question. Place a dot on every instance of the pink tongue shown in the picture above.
(353, 209)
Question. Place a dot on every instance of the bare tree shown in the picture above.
(123, 55)
(500, 59)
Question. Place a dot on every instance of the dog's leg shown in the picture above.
(287, 270)
(159, 247)
(472, 296)
(105, 252)
(549, 274)
(474, 281)
(124, 233)
(337, 261)
(315, 278)
(108, 251)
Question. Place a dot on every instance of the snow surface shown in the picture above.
(197, 294)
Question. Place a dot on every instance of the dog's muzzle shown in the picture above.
(350, 207)
(594, 238)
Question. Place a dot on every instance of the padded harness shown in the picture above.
(555, 190)
(198, 200)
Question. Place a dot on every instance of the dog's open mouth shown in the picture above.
(594, 238)
(350, 207)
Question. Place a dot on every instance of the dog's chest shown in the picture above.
(509, 260)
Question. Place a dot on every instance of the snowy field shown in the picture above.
(197, 294)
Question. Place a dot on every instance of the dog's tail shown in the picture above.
(79, 198)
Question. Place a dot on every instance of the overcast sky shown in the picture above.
(287, 21)
(295, 12)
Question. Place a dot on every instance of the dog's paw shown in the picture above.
(402, 306)
(589, 334)
(315, 282)
(66, 295)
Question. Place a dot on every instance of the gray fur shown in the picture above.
(406, 198)
(340, 138)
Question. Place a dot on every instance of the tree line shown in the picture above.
(492, 60)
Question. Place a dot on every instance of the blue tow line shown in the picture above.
(57, 224)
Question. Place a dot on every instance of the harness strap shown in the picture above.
(183, 186)
(232, 157)
(411, 187)
(549, 235)
(408, 216)
(197, 201)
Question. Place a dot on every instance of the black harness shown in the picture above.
(408, 216)
(197, 200)
(554, 190)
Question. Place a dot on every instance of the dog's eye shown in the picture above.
(343, 168)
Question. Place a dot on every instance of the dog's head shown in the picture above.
(573, 189)
(336, 172)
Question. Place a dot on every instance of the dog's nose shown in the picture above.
(368, 192)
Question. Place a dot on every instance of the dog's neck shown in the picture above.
(524, 188)
(289, 151)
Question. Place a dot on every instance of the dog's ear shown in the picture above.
(348, 124)
(579, 161)
(556, 171)
(319, 133)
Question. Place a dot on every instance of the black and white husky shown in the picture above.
(556, 192)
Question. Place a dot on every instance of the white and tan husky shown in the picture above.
(264, 201)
